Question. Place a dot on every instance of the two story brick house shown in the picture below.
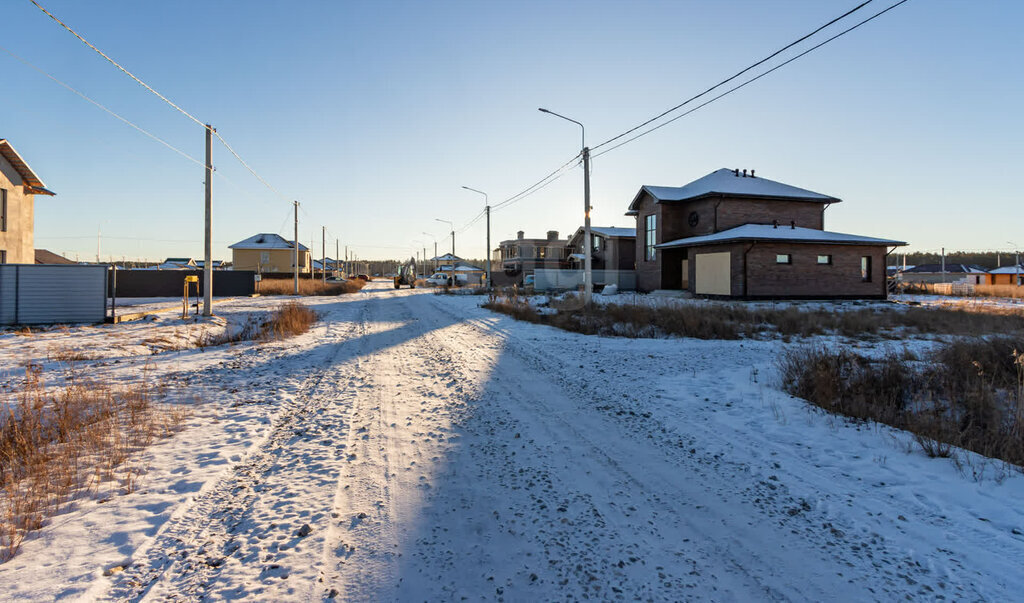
(733, 234)
(520, 256)
(611, 248)
(18, 187)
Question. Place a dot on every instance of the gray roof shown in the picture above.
(266, 241)
(726, 182)
(1008, 270)
(446, 258)
(767, 232)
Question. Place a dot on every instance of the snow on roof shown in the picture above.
(460, 268)
(769, 232)
(1008, 270)
(446, 258)
(726, 182)
(949, 268)
(266, 241)
(613, 231)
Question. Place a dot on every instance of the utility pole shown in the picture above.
(208, 243)
(337, 243)
(98, 235)
(488, 210)
(943, 264)
(295, 254)
(323, 252)
(435, 256)
(588, 280)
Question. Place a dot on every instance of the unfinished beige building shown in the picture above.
(18, 187)
(268, 253)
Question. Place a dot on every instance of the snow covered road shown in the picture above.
(435, 451)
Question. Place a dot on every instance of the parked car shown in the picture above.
(528, 280)
(440, 279)
(336, 279)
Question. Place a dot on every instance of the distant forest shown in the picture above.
(985, 259)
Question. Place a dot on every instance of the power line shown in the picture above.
(103, 107)
(543, 182)
(118, 65)
(744, 84)
(163, 98)
(736, 75)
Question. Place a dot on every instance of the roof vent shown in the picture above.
(552, 235)
(751, 173)
(792, 224)
(259, 239)
(736, 172)
(519, 235)
(744, 173)
(775, 223)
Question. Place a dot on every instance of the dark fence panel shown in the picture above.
(32, 294)
(170, 283)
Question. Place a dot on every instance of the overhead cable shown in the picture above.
(734, 76)
(750, 81)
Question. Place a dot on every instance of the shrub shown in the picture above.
(60, 443)
(969, 394)
(309, 287)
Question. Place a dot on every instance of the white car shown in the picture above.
(440, 279)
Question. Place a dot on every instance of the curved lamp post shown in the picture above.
(588, 282)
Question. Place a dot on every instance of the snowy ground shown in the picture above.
(417, 447)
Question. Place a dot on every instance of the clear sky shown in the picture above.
(374, 114)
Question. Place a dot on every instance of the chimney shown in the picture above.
(519, 235)
(744, 173)
(552, 235)
(792, 224)
(775, 223)
(751, 173)
(736, 172)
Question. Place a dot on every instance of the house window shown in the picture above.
(542, 252)
(865, 268)
(3, 256)
(3, 210)
(264, 257)
(783, 258)
(651, 223)
(596, 242)
(825, 259)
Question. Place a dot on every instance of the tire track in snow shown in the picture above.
(193, 547)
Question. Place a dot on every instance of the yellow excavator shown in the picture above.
(406, 275)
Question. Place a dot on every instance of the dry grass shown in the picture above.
(968, 394)
(59, 443)
(289, 319)
(737, 320)
(309, 287)
(1005, 291)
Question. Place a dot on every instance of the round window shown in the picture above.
(693, 219)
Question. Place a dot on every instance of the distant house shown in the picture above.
(612, 248)
(951, 273)
(268, 253)
(216, 264)
(737, 235)
(1007, 275)
(521, 256)
(48, 257)
(474, 275)
(18, 187)
(448, 259)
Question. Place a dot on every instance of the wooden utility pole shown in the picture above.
(323, 251)
(208, 243)
(295, 266)
(337, 246)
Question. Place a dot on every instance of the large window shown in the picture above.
(596, 242)
(651, 228)
(3, 210)
(865, 268)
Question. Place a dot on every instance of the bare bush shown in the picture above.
(969, 394)
(310, 287)
(58, 443)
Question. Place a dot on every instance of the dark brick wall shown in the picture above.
(804, 277)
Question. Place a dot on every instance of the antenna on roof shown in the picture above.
(744, 173)
(736, 172)
(751, 173)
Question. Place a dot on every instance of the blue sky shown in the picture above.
(374, 114)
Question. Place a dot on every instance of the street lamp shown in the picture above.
(434, 239)
(449, 223)
(487, 210)
(588, 282)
